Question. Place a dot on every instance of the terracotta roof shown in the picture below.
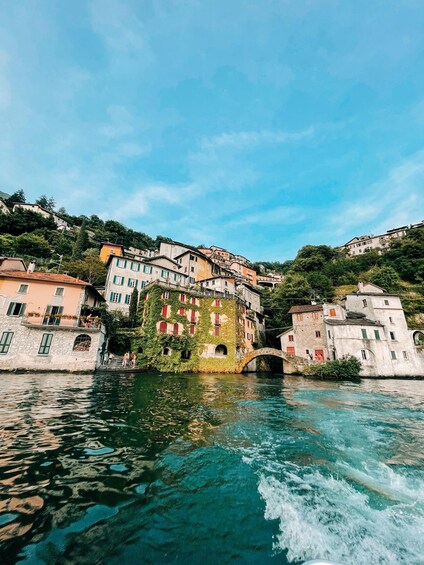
(306, 308)
(45, 277)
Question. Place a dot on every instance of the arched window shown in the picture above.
(185, 355)
(181, 311)
(221, 351)
(166, 351)
(175, 330)
(82, 343)
(419, 339)
(162, 327)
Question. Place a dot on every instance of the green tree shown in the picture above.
(321, 286)
(32, 245)
(313, 258)
(17, 197)
(81, 242)
(89, 269)
(7, 245)
(133, 307)
(47, 203)
(385, 277)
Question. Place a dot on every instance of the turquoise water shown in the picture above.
(193, 469)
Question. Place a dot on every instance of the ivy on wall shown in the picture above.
(185, 351)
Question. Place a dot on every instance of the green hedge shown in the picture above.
(347, 368)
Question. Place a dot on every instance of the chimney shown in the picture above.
(31, 267)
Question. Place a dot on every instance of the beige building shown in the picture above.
(61, 224)
(48, 321)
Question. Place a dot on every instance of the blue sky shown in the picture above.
(259, 126)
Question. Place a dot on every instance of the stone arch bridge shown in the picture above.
(291, 363)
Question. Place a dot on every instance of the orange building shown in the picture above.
(108, 249)
(245, 272)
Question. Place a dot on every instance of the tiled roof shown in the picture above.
(45, 277)
(306, 308)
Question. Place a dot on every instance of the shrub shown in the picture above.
(347, 368)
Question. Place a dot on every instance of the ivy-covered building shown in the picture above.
(194, 329)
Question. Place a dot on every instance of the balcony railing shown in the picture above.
(61, 321)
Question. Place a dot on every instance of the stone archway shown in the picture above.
(292, 363)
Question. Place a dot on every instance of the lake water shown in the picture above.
(138, 468)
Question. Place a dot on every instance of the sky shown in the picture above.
(259, 126)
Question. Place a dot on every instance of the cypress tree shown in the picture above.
(80, 243)
(133, 307)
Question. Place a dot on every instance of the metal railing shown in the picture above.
(61, 321)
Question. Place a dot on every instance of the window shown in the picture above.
(23, 289)
(192, 329)
(315, 315)
(164, 274)
(291, 337)
(392, 336)
(391, 320)
(193, 300)
(127, 298)
(45, 344)
(216, 330)
(175, 329)
(364, 333)
(191, 280)
(377, 334)
(162, 327)
(317, 334)
(118, 280)
(213, 283)
(191, 269)
(16, 309)
(329, 334)
(166, 351)
(165, 311)
(405, 355)
(332, 312)
(132, 283)
(82, 343)
(181, 311)
(5, 341)
(185, 355)
(192, 315)
(165, 295)
(364, 303)
(182, 297)
(363, 354)
(121, 263)
(59, 291)
(53, 315)
(217, 303)
(291, 350)
(135, 267)
(299, 317)
(386, 302)
(221, 351)
(115, 297)
(393, 354)
(216, 318)
(147, 269)
(143, 284)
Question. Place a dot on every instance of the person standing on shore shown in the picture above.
(133, 359)
(125, 360)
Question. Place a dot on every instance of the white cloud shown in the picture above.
(246, 139)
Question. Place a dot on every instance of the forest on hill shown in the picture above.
(318, 272)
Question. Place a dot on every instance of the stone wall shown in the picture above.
(24, 354)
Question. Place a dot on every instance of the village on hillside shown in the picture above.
(191, 309)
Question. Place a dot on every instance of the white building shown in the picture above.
(125, 274)
(370, 325)
(61, 224)
(362, 243)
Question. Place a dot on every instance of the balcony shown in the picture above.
(62, 322)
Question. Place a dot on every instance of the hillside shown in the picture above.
(319, 272)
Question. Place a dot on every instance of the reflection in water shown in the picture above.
(212, 468)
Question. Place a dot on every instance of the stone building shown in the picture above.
(193, 329)
(370, 324)
(48, 321)
(362, 243)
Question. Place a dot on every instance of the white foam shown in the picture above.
(326, 518)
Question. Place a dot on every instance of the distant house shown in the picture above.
(370, 324)
(3, 208)
(362, 243)
(47, 321)
(61, 223)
